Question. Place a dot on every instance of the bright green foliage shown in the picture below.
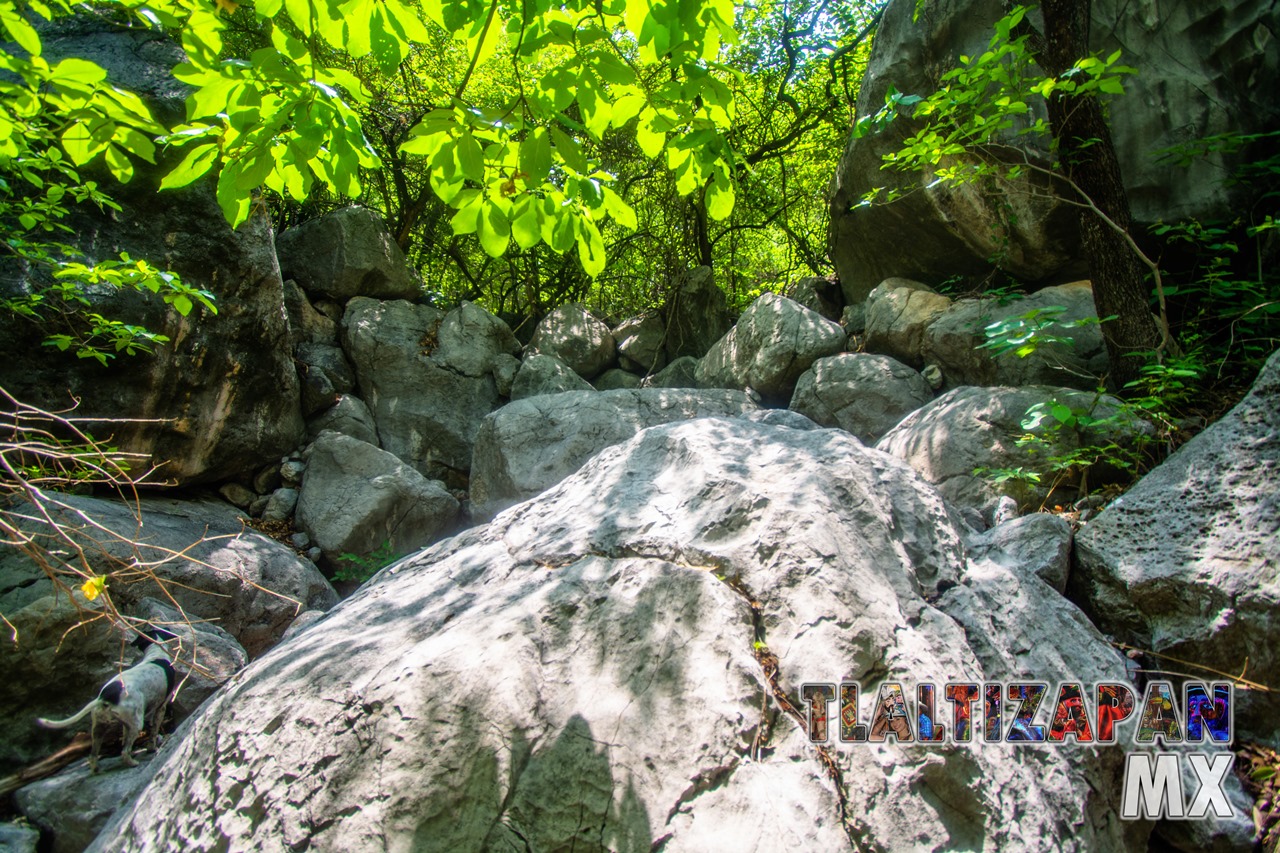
(517, 166)
(982, 108)
(55, 120)
(498, 136)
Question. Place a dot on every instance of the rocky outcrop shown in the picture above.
(238, 589)
(625, 614)
(357, 498)
(222, 396)
(681, 373)
(773, 343)
(325, 374)
(427, 376)
(19, 838)
(1078, 359)
(306, 324)
(696, 314)
(527, 447)
(545, 374)
(72, 807)
(820, 295)
(897, 313)
(349, 252)
(1187, 562)
(612, 380)
(863, 394)
(1199, 69)
(914, 324)
(577, 339)
(1038, 544)
(642, 344)
(966, 442)
(349, 416)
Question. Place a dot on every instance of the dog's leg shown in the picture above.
(97, 743)
(157, 720)
(131, 734)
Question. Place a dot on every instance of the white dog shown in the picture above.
(135, 697)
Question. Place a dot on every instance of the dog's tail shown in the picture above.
(69, 721)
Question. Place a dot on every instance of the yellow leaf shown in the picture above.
(228, 6)
(93, 587)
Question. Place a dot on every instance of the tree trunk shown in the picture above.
(1089, 160)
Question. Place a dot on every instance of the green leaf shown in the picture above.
(628, 107)
(234, 202)
(470, 157)
(77, 71)
(622, 213)
(568, 149)
(614, 70)
(1062, 414)
(590, 247)
(526, 227)
(23, 33)
(562, 230)
(495, 231)
(1111, 85)
(535, 156)
(651, 141)
(467, 219)
(720, 197)
(195, 163)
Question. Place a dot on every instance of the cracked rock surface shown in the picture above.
(1206, 589)
(582, 673)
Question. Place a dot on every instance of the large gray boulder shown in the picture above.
(349, 252)
(612, 380)
(527, 447)
(861, 393)
(325, 375)
(306, 324)
(356, 498)
(625, 616)
(19, 838)
(219, 399)
(642, 344)
(821, 295)
(72, 807)
(1187, 562)
(574, 336)
(1200, 67)
(971, 428)
(952, 339)
(680, 373)
(427, 376)
(898, 311)
(349, 416)
(696, 314)
(775, 341)
(545, 374)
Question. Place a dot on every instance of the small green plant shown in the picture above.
(1025, 333)
(360, 568)
(1000, 476)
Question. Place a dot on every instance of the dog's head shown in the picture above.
(153, 635)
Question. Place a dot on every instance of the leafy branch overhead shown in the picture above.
(514, 165)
